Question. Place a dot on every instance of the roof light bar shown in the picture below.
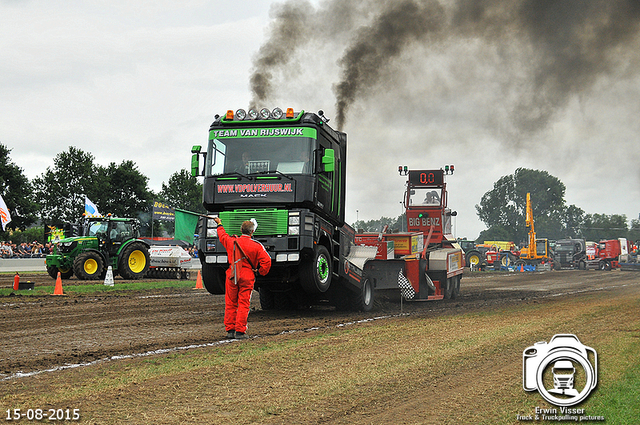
(265, 114)
(241, 114)
(277, 113)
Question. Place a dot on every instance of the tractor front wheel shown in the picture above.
(64, 273)
(88, 266)
(134, 261)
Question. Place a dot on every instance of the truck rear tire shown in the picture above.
(213, 278)
(88, 266)
(316, 272)
(134, 261)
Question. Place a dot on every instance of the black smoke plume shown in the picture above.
(573, 43)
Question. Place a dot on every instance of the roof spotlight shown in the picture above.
(277, 113)
(265, 113)
(253, 114)
(241, 114)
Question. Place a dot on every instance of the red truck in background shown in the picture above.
(607, 254)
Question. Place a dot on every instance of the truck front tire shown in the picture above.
(213, 278)
(316, 272)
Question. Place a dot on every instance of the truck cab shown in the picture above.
(286, 170)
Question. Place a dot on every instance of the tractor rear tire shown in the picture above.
(507, 259)
(134, 261)
(474, 259)
(88, 265)
(316, 272)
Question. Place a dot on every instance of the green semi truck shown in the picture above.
(100, 242)
(287, 170)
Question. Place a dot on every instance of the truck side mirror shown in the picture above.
(195, 161)
(329, 160)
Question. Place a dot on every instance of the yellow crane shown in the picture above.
(537, 250)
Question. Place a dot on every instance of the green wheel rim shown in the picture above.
(322, 268)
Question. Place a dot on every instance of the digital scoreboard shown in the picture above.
(426, 177)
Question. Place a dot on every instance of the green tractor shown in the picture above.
(103, 242)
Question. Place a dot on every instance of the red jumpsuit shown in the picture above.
(238, 297)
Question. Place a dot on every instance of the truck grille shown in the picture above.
(270, 221)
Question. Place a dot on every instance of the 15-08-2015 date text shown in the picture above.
(43, 414)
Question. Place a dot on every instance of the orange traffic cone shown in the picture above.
(16, 282)
(199, 282)
(58, 288)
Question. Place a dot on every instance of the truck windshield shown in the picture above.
(425, 197)
(288, 155)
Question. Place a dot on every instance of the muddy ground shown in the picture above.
(45, 332)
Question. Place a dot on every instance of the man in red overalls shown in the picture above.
(246, 256)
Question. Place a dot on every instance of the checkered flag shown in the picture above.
(406, 289)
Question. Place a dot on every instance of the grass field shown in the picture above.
(457, 369)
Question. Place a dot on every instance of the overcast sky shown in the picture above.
(142, 81)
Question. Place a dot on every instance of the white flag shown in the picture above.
(90, 208)
(5, 217)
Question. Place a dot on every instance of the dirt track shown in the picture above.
(45, 332)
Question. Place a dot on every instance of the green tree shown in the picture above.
(505, 204)
(634, 231)
(61, 189)
(573, 218)
(183, 191)
(495, 233)
(117, 189)
(597, 227)
(395, 224)
(17, 192)
(121, 190)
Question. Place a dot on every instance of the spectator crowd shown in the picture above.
(24, 250)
